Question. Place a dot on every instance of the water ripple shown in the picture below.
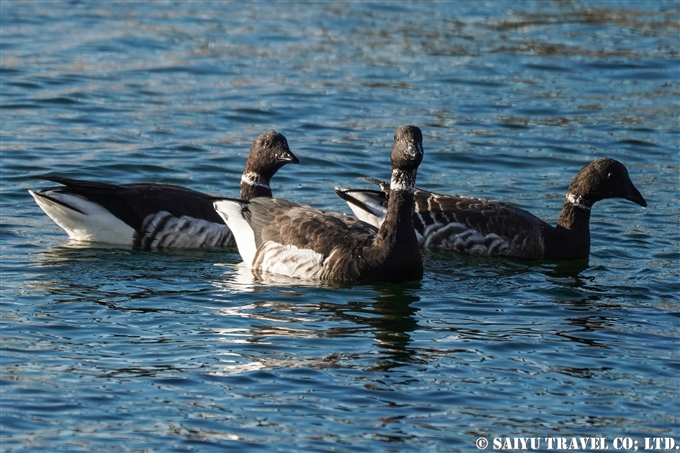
(107, 348)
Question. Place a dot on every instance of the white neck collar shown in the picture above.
(401, 180)
(577, 201)
(253, 179)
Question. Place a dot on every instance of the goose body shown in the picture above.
(155, 215)
(282, 237)
(482, 227)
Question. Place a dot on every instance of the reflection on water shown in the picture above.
(393, 318)
(284, 308)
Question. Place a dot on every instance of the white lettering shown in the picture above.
(577, 443)
(623, 443)
(517, 443)
(598, 443)
(660, 443)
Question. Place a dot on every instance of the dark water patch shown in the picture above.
(645, 75)
(4, 70)
(188, 149)
(474, 82)
(59, 100)
(545, 111)
(11, 106)
(25, 85)
(61, 80)
(638, 143)
(626, 65)
(319, 127)
(548, 68)
(188, 69)
(80, 120)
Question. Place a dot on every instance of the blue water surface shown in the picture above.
(113, 349)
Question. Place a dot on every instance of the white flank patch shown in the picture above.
(92, 224)
(373, 213)
(230, 211)
(289, 260)
(450, 237)
(367, 216)
(254, 179)
(184, 232)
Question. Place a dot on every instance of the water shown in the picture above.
(110, 349)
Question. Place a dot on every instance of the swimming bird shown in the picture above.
(156, 215)
(481, 227)
(281, 237)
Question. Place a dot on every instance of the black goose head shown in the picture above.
(268, 154)
(601, 179)
(407, 151)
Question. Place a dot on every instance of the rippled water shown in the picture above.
(110, 349)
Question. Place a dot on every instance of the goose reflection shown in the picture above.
(392, 316)
(276, 314)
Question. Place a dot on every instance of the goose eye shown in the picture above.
(610, 175)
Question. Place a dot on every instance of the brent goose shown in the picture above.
(482, 227)
(156, 215)
(280, 237)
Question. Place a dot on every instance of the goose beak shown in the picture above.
(414, 150)
(635, 196)
(287, 157)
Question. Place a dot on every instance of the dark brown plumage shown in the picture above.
(490, 228)
(279, 236)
